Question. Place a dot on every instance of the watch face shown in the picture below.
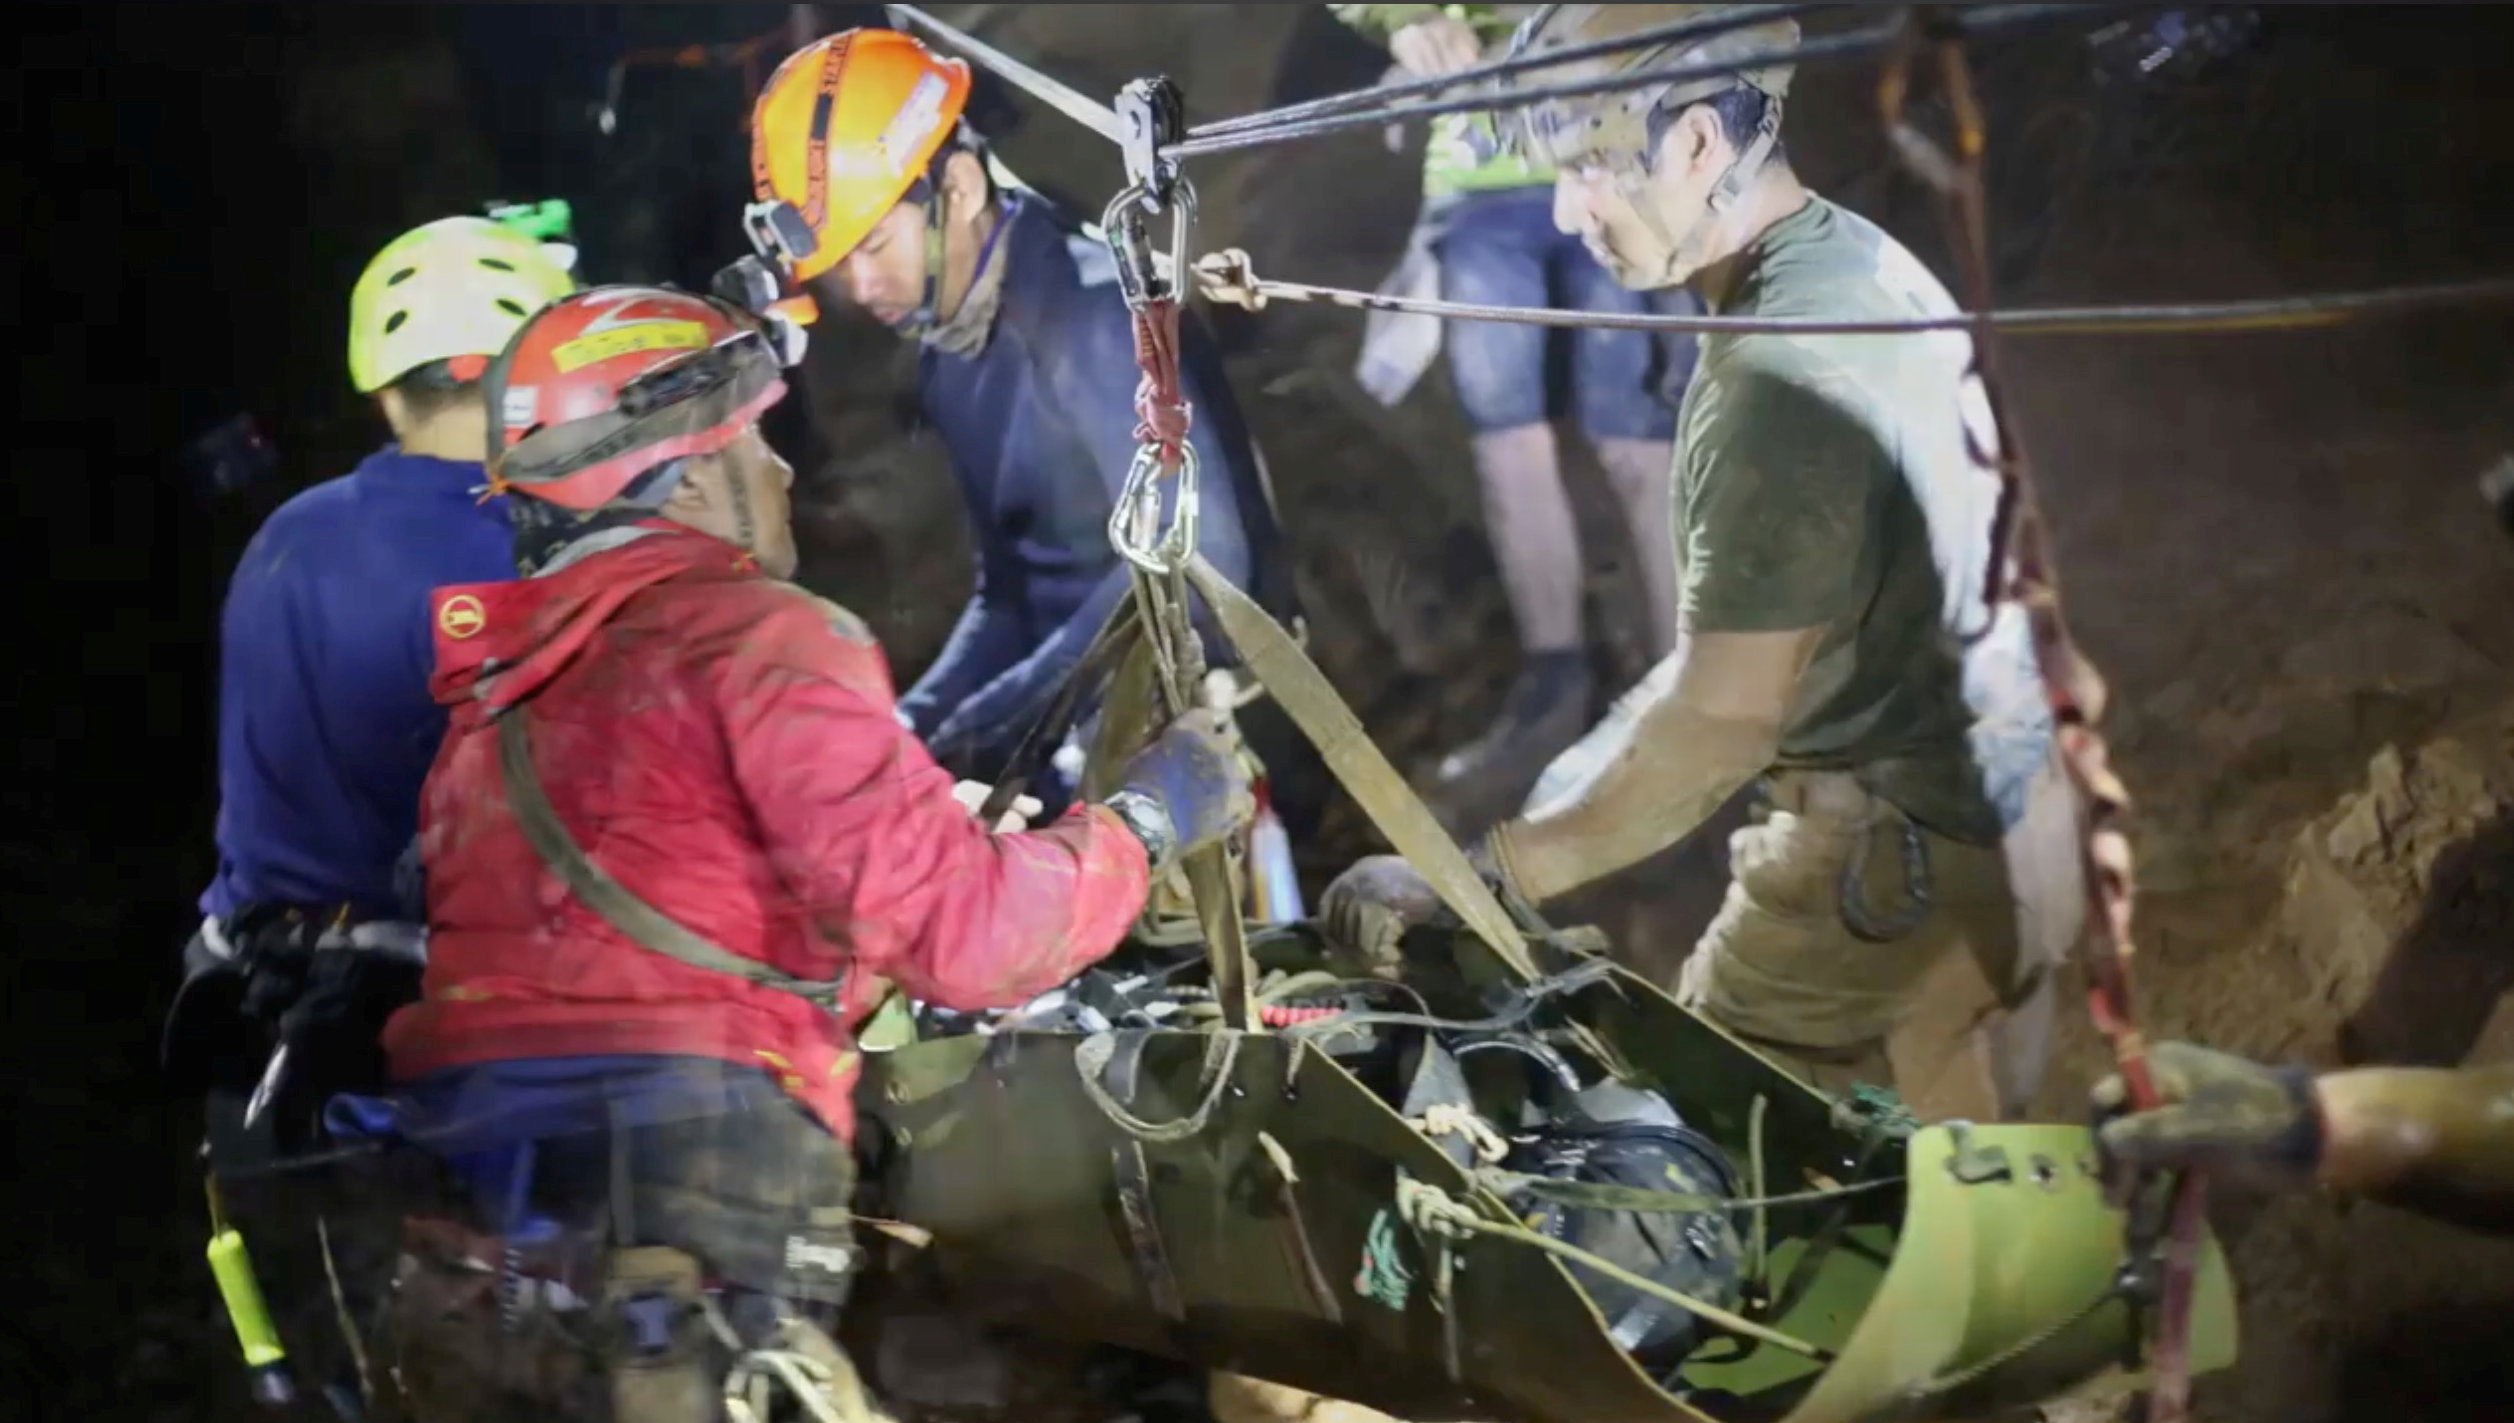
(1148, 820)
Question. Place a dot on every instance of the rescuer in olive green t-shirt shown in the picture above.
(1913, 872)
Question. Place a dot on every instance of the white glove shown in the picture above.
(972, 797)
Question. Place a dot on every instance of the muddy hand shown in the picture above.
(1370, 906)
(2222, 1114)
(1436, 46)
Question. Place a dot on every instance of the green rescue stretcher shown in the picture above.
(1241, 1199)
(1948, 1272)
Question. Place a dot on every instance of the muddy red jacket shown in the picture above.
(726, 747)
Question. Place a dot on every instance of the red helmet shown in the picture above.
(606, 384)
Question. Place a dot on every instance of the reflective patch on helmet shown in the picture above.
(597, 346)
(521, 405)
(916, 121)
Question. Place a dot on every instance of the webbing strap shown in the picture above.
(1306, 696)
(644, 925)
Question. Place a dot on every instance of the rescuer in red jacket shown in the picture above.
(678, 843)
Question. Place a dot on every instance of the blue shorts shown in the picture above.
(1501, 248)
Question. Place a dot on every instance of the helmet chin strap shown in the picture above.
(1721, 200)
(928, 314)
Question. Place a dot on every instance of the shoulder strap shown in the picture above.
(1297, 686)
(646, 926)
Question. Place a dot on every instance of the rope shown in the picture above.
(1645, 1201)
(1222, 1053)
(1449, 1119)
(2021, 570)
(1436, 1214)
(1230, 277)
(1857, 45)
(1053, 92)
(1698, 28)
(342, 1318)
(1760, 1240)
(1162, 415)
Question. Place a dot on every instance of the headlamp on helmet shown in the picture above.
(842, 133)
(610, 383)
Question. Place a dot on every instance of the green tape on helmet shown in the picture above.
(549, 220)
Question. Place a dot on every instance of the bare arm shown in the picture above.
(1709, 720)
(1778, 489)
(2439, 1141)
(2436, 1141)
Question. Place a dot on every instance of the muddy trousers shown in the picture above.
(674, 1272)
(1953, 1007)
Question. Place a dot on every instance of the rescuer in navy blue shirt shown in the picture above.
(311, 929)
(873, 191)
(325, 724)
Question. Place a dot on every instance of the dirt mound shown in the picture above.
(2400, 902)
(2392, 941)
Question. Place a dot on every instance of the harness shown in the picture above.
(620, 907)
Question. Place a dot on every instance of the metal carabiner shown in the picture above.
(1126, 228)
(1135, 528)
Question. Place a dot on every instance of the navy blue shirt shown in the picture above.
(1040, 426)
(325, 725)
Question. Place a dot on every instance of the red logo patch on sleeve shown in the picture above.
(461, 616)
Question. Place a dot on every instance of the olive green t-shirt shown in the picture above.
(1826, 481)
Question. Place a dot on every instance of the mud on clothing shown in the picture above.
(1825, 481)
(623, 1197)
(325, 724)
(1040, 426)
(694, 1153)
(726, 747)
(1779, 967)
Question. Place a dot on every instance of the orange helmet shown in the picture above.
(845, 129)
(600, 387)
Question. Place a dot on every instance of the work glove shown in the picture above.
(1195, 773)
(2223, 1114)
(1370, 906)
(1024, 809)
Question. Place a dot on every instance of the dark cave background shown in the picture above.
(194, 187)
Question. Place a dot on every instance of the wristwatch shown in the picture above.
(1151, 824)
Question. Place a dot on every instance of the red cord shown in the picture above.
(1162, 414)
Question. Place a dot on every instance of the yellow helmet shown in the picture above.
(1616, 129)
(453, 290)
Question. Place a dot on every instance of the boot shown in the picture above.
(1545, 712)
